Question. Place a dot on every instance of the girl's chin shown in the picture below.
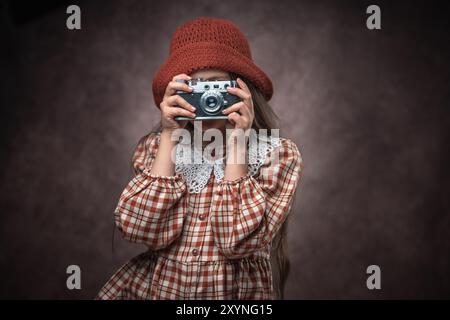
(218, 124)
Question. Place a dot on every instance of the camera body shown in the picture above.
(209, 98)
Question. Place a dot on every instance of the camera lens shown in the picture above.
(211, 102)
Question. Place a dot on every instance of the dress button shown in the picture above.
(194, 252)
(201, 217)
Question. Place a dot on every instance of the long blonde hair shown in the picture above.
(265, 118)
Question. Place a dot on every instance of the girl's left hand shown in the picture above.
(241, 114)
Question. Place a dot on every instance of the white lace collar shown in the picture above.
(198, 173)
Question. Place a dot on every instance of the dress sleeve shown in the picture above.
(151, 209)
(247, 212)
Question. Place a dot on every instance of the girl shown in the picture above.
(210, 228)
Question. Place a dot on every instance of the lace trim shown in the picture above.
(196, 169)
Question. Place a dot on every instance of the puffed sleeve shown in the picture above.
(247, 212)
(151, 209)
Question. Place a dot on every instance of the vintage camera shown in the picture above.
(209, 98)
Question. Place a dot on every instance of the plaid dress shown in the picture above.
(214, 244)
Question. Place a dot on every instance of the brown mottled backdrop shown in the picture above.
(369, 111)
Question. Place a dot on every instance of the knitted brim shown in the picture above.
(205, 55)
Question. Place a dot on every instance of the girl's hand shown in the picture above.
(170, 106)
(241, 114)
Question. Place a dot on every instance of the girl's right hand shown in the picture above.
(173, 105)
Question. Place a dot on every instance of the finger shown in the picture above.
(181, 76)
(241, 121)
(239, 107)
(241, 93)
(236, 118)
(171, 113)
(173, 87)
(243, 85)
(176, 100)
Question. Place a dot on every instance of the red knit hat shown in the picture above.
(209, 43)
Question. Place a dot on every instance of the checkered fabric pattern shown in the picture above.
(209, 245)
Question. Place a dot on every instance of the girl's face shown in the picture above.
(211, 74)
